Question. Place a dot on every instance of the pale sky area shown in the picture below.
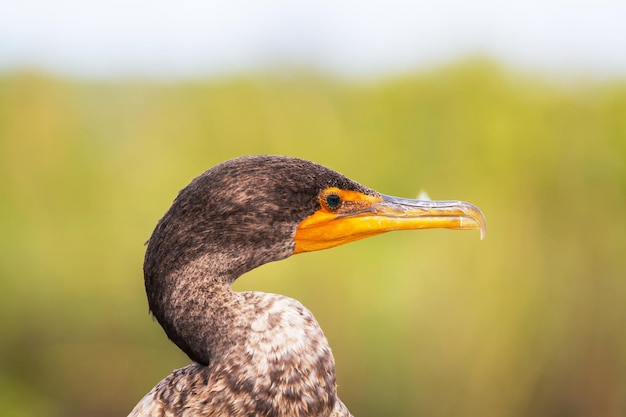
(352, 38)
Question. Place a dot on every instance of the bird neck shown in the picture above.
(196, 307)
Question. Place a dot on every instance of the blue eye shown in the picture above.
(333, 201)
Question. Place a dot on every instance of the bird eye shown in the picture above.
(333, 201)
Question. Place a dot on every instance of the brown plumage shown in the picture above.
(259, 354)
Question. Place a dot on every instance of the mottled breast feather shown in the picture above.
(284, 368)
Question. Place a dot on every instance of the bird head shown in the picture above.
(265, 208)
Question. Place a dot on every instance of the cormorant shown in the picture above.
(258, 354)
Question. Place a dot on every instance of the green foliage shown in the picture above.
(529, 322)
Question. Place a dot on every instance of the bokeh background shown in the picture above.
(107, 110)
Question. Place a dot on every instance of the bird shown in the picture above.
(255, 353)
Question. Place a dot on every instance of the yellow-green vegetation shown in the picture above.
(529, 322)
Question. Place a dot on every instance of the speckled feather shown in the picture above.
(256, 354)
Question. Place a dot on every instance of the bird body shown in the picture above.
(283, 367)
(259, 354)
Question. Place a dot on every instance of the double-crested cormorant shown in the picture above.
(259, 354)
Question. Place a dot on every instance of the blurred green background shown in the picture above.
(530, 321)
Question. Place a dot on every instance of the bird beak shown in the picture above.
(362, 216)
(429, 214)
